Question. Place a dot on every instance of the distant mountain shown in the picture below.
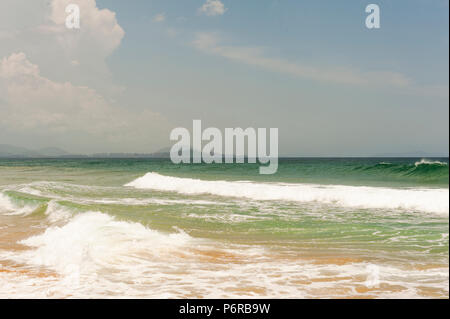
(162, 153)
(10, 151)
(15, 151)
(52, 151)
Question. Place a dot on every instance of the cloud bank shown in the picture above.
(54, 109)
(37, 104)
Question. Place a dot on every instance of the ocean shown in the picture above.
(147, 228)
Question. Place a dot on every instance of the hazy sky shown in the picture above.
(137, 69)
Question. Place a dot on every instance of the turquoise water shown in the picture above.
(149, 228)
(342, 171)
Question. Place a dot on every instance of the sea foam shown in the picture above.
(95, 255)
(92, 239)
(9, 207)
(424, 161)
(414, 199)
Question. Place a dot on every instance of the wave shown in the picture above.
(15, 204)
(10, 206)
(424, 161)
(95, 255)
(91, 244)
(50, 195)
(407, 169)
(6, 204)
(56, 212)
(418, 199)
(95, 238)
(423, 172)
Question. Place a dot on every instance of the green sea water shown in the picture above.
(149, 228)
(342, 171)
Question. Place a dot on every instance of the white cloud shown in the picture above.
(160, 17)
(212, 8)
(210, 43)
(39, 100)
(39, 30)
(99, 33)
(34, 101)
(37, 105)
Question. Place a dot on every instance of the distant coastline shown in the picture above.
(14, 152)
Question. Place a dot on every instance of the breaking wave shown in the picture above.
(420, 199)
(424, 161)
(10, 206)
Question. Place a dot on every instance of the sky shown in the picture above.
(137, 69)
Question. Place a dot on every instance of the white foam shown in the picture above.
(94, 238)
(56, 212)
(103, 261)
(8, 207)
(415, 199)
(429, 162)
(51, 186)
(226, 218)
(96, 256)
(5, 204)
(144, 202)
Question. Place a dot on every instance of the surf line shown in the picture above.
(213, 151)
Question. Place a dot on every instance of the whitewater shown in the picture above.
(149, 229)
(422, 199)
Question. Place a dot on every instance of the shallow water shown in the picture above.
(337, 228)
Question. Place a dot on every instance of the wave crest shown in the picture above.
(9, 206)
(420, 199)
(424, 161)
